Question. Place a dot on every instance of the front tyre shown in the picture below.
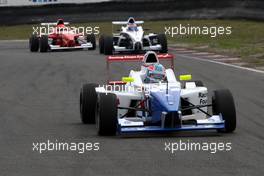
(162, 40)
(106, 120)
(223, 103)
(88, 100)
(91, 39)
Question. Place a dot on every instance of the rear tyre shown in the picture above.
(108, 45)
(44, 43)
(101, 44)
(91, 39)
(106, 120)
(162, 39)
(88, 100)
(34, 43)
(223, 103)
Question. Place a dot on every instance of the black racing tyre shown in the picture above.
(91, 39)
(108, 45)
(162, 39)
(106, 119)
(44, 43)
(199, 83)
(34, 43)
(101, 44)
(223, 102)
(88, 100)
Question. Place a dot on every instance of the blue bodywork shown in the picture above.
(162, 102)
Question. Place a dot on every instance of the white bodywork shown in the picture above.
(136, 37)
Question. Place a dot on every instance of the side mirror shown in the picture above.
(185, 77)
(128, 79)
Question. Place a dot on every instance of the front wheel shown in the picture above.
(88, 100)
(223, 103)
(106, 120)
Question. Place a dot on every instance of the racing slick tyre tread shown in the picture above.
(91, 38)
(88, 100)
(101, 44)
(223, 103)
(108, 45)
(106, 119)
(34, 43)
(163, 42)
(43, 43)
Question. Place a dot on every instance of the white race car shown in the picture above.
(132, 39)
(153, 100)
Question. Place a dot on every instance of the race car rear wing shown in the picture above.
(52, 24)
(134, 58)
(125, 22)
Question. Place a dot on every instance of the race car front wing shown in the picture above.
(212, 123)
(82, 46)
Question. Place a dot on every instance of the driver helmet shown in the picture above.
(60, 23)
(131, 25)
(155, 73)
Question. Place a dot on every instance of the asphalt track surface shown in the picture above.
(39, 94)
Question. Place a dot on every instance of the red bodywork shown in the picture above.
(64, 37)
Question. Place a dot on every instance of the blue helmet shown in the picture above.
(155, 73)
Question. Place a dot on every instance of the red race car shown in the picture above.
(61, 37)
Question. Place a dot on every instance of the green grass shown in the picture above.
(246, 40)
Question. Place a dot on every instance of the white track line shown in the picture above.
(11, 41)
(222, 63)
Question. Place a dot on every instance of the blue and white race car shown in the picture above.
(153, 100)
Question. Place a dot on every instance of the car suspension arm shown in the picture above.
(196, 107)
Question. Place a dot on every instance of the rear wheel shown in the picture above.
(34, 43)
(162, 39)
(44, 43)
(106, 120)
(101, 44)
(108, 45)
(91, 39)
(223, 103)
(88, 100)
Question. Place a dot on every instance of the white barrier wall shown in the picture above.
(42, 2)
